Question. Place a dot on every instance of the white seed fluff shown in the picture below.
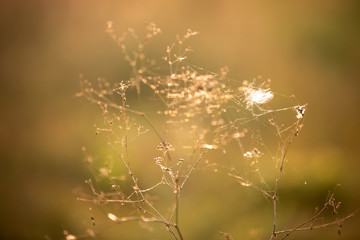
(257, 96)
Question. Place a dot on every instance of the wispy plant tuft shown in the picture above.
(196, 119)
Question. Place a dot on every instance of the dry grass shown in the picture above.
(199, 120)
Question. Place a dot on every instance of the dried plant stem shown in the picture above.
(135, 183)
(285, 145)
(124, 158)
(144, 200)
(106, 201)
(177, 200)
(126, 164)
(178, 231)
(178, 189)
(142, 219)
(192, 169)
(126, 109)
(146, 118)
(242, 181)
(274, 197)
(172, 232)
(300, 228)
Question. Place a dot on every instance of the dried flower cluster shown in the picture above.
(207, 112)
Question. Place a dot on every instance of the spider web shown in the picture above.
(246, 121)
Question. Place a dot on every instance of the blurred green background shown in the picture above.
(308, 48)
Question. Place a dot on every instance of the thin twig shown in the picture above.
(192, 169)
(300, 228)
(285, 144)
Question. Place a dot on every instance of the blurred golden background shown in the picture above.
(308, 48)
